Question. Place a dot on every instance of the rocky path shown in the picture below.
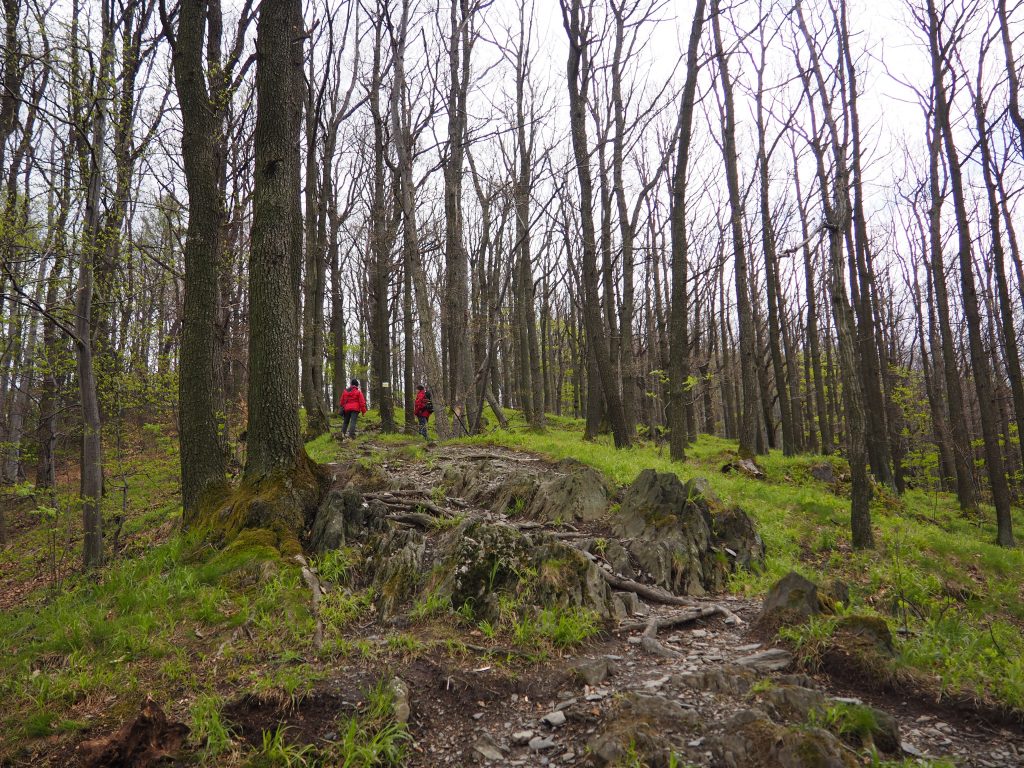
(706, 689)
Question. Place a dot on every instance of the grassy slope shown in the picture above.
(165, 616)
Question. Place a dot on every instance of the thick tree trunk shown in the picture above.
(274, 442)
(200, 404)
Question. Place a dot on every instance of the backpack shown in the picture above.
(429, 405)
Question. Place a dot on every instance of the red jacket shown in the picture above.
(420, 408)
(352, 400)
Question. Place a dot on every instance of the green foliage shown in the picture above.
(335, 565)
(848, 720)
(275, 752)
(208, 728)
(562, 627)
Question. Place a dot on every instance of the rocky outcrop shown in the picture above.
(675, 535)
(792, 600)
(564, 492)
(483, 568)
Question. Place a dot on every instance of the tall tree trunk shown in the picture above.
(987, 407)
(202, 454)
(578, 76)
(836, 206)
(1007, 324)
(274, 442)
(748, 364)
(91, 157)
(962, 452)
(679, 344)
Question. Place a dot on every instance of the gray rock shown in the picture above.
(751, 740)
(593, 671)
(824, 473)
(521, 737)
(554, 719)
(676, 538)
(772, 660)
(576, 492)
(670, 533)
(487, 747)
(794, 703)
(400, 692)
(539, 743)
(341, 513)
(730, 680)
(793, 599)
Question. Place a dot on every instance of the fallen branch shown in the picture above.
(310, 577)
(678, 619)
(418, 519)
(654, 594)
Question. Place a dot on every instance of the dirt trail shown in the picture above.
(488, 708)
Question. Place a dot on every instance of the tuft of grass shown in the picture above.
(208, 728)
(275, 752)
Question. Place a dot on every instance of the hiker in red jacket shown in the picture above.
(423, 408)
(352, 403)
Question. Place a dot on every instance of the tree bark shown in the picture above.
(274, 442)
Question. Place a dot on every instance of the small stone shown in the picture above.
(566, 704)
(910, 749)
(400, 691)
(521, 737)
(539, 744)
(593, 697)
(554, 719)
(847, 700)
(696, 742)
(747, 648)
(485, 746)
(699, 633)
(634, 639)
(593, 672)
(478, 715)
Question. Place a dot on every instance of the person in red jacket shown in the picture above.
(352, 403)
(423, 408)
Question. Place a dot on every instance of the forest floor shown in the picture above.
(223, 641)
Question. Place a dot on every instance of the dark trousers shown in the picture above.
(350, 418)
(423, 425)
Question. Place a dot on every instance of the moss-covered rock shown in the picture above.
(751, 740)
(647, 727)
(478, 566)
(677, 537)
(791, 600)
(566, 492)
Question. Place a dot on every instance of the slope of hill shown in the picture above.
(231, 644)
